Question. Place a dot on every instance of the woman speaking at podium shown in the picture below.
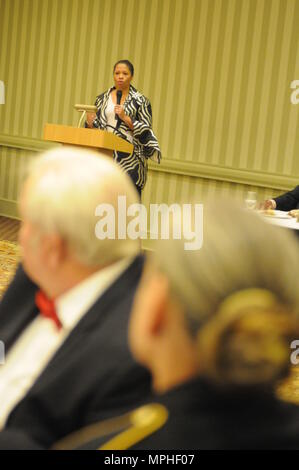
(127, 113)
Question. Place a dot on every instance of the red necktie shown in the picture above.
(47, 308)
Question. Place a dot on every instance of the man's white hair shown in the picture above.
(64, 187)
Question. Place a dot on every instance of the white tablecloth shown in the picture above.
(287, 223)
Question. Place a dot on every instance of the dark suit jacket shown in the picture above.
(201, 417)
(91, 375)
(288, 201)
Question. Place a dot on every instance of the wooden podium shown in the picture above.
(88, 138)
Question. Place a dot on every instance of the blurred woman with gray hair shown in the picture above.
(214, 327)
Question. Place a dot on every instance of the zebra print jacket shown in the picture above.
(139, 109)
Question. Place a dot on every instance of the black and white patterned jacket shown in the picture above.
(139, 109)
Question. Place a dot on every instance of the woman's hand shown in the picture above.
(90, 117)
(120, 112)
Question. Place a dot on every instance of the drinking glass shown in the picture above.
(251, 200)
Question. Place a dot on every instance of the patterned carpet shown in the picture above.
(9, 229)
(289, 390)
(9, 251)
(9, 256)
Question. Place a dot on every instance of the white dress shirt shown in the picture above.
(39, 342)
(110, 115)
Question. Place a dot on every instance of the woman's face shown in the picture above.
(142, 312)
(122, 76)
(147, 315)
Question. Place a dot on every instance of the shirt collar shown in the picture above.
(73, 304)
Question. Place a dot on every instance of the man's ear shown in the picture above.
(56, 250)
(160, 303)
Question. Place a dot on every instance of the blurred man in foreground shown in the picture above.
(64, 320)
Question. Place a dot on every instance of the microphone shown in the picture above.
(118, 100)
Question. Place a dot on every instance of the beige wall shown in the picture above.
(217, 72)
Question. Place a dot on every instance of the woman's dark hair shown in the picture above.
(127, 63)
